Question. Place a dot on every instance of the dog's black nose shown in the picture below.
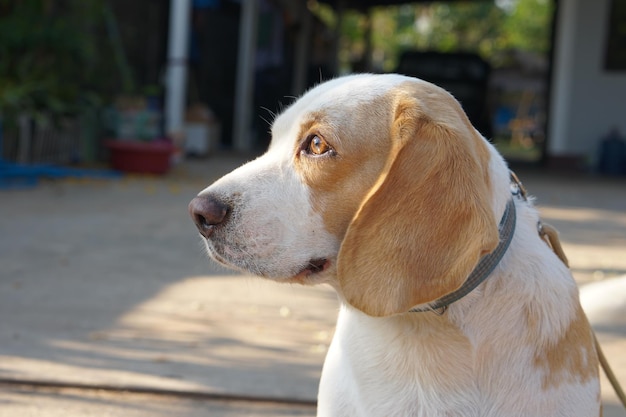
(207, 212)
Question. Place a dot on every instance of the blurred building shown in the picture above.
(584, 92)
(244, 60)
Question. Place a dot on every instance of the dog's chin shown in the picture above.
(315, 271)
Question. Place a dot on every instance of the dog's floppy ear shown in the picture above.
(427, 221)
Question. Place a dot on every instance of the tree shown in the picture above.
(484, 27)
(49, 57)
(528, 26)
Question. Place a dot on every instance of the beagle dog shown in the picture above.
(451, 304)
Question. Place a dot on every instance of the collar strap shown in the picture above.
(485, 266)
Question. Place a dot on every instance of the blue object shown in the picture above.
(14, 175)
(20, 176)
(205, 4)
(612, 154)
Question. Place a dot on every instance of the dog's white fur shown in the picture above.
(518, 345)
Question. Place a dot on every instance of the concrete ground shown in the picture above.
(109, 307)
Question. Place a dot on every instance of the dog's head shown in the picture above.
(376, 184)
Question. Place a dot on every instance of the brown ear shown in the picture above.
(428, 220)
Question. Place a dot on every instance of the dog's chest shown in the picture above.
(430, 368)
(398, 368)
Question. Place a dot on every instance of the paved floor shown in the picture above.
(104, 284)
(24, 401)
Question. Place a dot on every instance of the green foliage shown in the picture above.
(479, 26)
(464, 26)
(48, 56)
(528, 26)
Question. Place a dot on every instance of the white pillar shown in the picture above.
(176, 75)
(244, 87)
(562, 78)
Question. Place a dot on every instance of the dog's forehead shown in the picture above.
(335, 98)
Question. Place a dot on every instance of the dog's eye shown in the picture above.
(316, 145)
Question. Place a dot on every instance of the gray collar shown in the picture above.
(487, 263)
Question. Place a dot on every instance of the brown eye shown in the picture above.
(317, 146)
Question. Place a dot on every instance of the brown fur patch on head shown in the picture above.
(572, 358)
(338, 184)
(427, 221)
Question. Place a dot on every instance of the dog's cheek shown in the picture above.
(274, 222)
(262, 239)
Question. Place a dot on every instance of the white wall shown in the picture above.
(587, 101)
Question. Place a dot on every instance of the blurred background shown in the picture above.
(114, 114)
(543, 79)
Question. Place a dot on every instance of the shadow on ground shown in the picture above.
(107, 283)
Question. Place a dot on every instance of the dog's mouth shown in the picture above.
(305, 275)
(313, 267)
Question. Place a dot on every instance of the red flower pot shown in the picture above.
(140, 157)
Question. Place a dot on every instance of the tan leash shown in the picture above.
(550, 235)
